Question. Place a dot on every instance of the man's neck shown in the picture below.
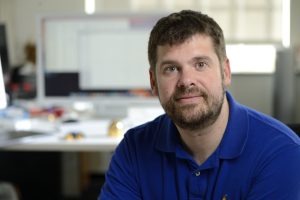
(202, 143)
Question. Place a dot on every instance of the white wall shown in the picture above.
(255, 91)
(8, 18)
(295, 28)
(297, 98)
(295, 41)
(21, 17)
(26, 13)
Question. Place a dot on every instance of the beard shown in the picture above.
(198, 115)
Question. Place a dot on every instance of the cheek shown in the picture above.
(211, 84)
(217, 87)
(165, 89)
(214, 85)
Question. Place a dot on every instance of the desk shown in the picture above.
(65, 162)
(94, 130)
(55, 142)
(95, 137)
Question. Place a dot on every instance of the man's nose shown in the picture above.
(186, 77)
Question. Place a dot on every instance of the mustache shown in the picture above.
(185, 91)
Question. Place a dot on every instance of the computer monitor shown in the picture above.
(101, 58)
(3, 100)
(4, 49)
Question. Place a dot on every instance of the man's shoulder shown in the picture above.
(270, 127)
(255, 127)
(268, 136)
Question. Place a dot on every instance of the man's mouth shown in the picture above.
(186, 99)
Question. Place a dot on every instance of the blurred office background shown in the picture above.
(263, 46)
(243, 21)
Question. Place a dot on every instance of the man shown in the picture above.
(206, 146)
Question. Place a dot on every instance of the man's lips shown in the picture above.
(188, 98)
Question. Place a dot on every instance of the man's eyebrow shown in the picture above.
(173, 62)
(168, 62)
(200, 58)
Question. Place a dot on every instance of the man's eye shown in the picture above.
(169, 69)
(200, 65)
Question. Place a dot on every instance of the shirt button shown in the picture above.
(197, 173)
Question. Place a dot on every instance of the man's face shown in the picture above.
(190, 82)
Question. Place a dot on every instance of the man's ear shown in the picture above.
(153, 82)
(227, 72)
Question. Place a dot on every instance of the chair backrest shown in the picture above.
(295, 127)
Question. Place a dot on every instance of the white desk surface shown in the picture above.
(56, 143)
(95, 138)
(95, 133)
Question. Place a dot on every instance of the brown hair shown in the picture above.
(178, 27)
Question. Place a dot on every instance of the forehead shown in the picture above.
(197, 44)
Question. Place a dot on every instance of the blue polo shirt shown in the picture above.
(258, 158)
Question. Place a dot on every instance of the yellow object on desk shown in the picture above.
(74, 136)
(115, 129)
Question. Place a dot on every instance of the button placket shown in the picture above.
(197, 185)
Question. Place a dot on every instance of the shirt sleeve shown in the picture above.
(120, 180)
(278, 177)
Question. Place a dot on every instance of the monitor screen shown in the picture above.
(94, 56)
(4, 49)
(3, 101)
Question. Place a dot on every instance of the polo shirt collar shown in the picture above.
(168, 135)
(234, 139)
(236, 132)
